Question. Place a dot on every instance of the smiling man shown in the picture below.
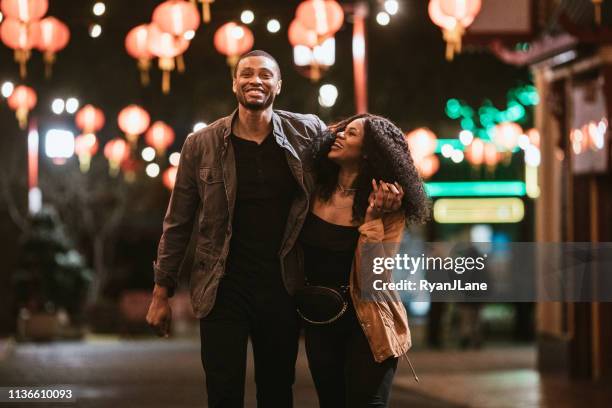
(248, 175)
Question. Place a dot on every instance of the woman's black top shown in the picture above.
(328, 251)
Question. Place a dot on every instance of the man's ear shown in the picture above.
(279, 86)
(234, 85)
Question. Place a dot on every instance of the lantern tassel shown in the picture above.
(597, 4)
(206, 11)
(315, 72)
(133, 140)
(143, 65)
(21, 57)
(22, 117)
(166, 65)
(166, 82)
(113, 168)
(180, 63)
(232, 60)
(84, 162)
(49, 59)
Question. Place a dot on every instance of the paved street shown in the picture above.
(156, 373)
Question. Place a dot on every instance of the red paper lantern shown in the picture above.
(324, 17)
(137, 46)
(428, 166)
(21, 37)
(491, 156)
(89, 119)
(54, 36)
(453, 25)
(166, 47)
(464, 11)
(169, 177)
(133, 121)
(24, 10)
(160, 136)
(22, 101)
(422, 142)
(176, 17)
(116, 151)
(300, 35)
(506, 135)
(475, 152)
(85, 146)
(233, 40)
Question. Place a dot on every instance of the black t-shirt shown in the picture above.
(265, 191)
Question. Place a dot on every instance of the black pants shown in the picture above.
(267, 315)
(343, 368)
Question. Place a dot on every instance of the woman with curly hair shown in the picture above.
(367, 190)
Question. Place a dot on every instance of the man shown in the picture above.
(248, 176)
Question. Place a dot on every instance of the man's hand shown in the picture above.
(384, 198)
(159, 315)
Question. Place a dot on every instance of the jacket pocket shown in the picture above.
(214, 199)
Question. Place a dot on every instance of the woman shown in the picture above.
(367, 188)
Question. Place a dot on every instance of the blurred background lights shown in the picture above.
(198, 126)
(152, 170)
(95, 30)
(328, 94)
(57, 106)
(148, 153)
(466, 137)
(189, 35)
(237, 32)
(532, 156)
(383, 18)
(457, 156)
(247, 17)
(7, 89)
(174, 158)
(391, 7)
(447, 150)
(99, 8)
(273, 25)
(72, 104)
(59, 145)
(523, 141)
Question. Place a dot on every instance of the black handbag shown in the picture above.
(321, 304)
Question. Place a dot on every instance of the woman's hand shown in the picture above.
(384, 198)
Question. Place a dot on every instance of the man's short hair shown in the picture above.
(257, 53)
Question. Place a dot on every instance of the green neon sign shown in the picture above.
(475, 189)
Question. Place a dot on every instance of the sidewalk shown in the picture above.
(157, 373)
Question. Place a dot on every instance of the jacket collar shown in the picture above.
(277, 131)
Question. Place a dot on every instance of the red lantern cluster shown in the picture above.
(453, 16)
(164, 38)
(23, 30)
(315, 23)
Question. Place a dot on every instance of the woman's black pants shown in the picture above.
(343, 368)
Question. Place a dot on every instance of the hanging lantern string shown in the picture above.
(597, 5)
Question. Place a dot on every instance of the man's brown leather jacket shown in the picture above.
(206, 181)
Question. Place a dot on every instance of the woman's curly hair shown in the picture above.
(386, 157)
